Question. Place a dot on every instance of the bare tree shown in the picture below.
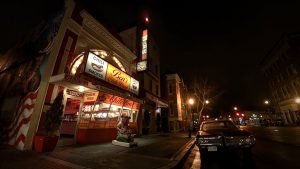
(204, 92)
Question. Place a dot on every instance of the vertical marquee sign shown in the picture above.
(142, 65)
(144, 44)
(101, 69)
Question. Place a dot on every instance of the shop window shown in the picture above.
(104, 110)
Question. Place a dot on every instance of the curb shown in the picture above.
(64, 163)
(180, 155)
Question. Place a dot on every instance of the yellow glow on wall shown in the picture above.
(102, 53)
(119, 64)
(77, 63)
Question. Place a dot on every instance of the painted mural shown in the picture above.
(21, 71)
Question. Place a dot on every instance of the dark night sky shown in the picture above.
(224, 41)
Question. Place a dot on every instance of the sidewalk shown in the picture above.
(153, 151)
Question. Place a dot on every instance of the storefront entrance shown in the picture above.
(69, 123)
(70, 118)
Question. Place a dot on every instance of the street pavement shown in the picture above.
(276, 147)
(287, 135)
(153, 151)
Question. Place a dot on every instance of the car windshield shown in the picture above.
(217, 125)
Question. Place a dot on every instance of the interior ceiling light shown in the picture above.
(81, 89)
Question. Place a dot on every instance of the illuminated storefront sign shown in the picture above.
(74, 93)
(90, 96)
(135, 106)
(117, 77)
(101, 69)
(96, 66)
(134, 86)
(116, 100)
(144, 44)
(141, 66)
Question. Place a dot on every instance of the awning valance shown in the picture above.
(74, 82)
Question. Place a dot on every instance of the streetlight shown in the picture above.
(268, 111)
(191, 101)
(206, 101)
(267, 102)
(235, 108)
(297, 100)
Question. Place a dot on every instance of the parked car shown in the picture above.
(219, 135)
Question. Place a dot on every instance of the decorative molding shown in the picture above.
(92, 26)
(74, 26)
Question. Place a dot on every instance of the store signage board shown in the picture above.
(101, 69)
(136, 106)
(96, 66)
(74, 93)
(90, 96)
(117, 77)
(141, 66)
(134, 86)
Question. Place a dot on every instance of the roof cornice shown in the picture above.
(93, 25)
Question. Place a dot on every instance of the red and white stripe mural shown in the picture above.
(18, 129)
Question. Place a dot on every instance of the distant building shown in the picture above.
(174, 92)
(139, 39)
(281, 68)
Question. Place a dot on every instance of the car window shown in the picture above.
(218, 125)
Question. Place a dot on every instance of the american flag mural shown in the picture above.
(26, 84)
(18, 129)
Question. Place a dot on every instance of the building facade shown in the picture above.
(141, 41)
(174, 92)
(282, 71)
(78, 56)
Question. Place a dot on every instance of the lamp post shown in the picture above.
(297, 100)
(191, 102)
(206, 101)
(268, 113)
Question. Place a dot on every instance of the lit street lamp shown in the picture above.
(235, 108)
(191, 101)
(297, 100)
(206, 101)
(267, 102)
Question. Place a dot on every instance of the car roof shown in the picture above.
(222, 120)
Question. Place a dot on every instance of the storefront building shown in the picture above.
(92, 105)
(153, 110)
(93, 69)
